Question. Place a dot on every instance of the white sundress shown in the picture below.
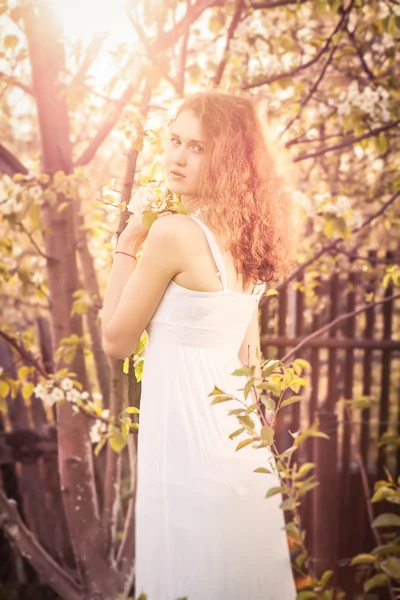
(204, 529)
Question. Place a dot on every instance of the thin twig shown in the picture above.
(231, 32)
(335, 322)
(296, 70)
(348, 142)
(333, 244)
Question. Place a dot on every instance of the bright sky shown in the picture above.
(82, 19)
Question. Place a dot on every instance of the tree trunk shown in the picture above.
(99, 580)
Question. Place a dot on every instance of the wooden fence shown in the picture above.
(358, 357)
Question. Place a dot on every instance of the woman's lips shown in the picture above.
(177, 175)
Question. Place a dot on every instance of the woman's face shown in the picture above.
(185, 154)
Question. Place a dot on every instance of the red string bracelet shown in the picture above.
(126, 254)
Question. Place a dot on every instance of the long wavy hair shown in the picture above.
(240, 184)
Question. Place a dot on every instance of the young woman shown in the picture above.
(204, 530)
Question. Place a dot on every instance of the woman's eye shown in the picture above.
(175, 141)
(198, 149)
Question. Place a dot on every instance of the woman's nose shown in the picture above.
(180, 156)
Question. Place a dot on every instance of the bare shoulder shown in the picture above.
(177, 227)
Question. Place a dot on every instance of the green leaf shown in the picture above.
(3, 404)
(236, 433)
(10, 41)
(216, 391)
(267, 434)
(132, 410)
(27, 391)
(268, 402)
(275, 490)
(307, 486)
(244, 443)
(287, 504)
(325, 578)
(387, 549)
(246, 421)
(391, 566)
(375, 581)
(306, 595)
(270, 367)
(100, 446)
(383, 493)
(387, 520)
(304, 469)
(243, 371)
(220, 399)
(304, 364)
(248, 387)
(363, 559)
(262, 470)
(291, 400)
(149, 217)
(4, 389)
(125, 366)
(381, 143)
(272, 292)
(117, 441)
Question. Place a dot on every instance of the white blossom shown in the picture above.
(139, 200)
(98, 428)
(40, 391)
(56, 395)
(67, 384)
(37, 278)
(73, 395)
(9, 263)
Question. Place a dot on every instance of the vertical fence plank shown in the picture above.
(325, 497)
(387, 310)
(332, 352)
(349, 328)
(362, 516)
(298, 332)
(282, 424)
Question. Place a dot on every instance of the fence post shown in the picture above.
(326, 523)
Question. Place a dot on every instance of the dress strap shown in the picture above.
(215, 251)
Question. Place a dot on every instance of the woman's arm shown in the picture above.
(122, 268)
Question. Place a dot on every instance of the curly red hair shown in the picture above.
(241, 187)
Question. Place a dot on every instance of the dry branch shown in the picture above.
(335, 322)
(296, 70)
(334, 244)
(25, 541)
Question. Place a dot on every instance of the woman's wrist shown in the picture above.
(126, 245)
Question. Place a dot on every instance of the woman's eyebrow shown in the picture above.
(196, 141)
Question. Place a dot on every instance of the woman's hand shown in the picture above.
(135, 233)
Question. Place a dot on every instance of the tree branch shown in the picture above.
(364, 65)
(25, 354)
(169, 38)
(91, 53)
(151, 52)
(126, 552)
(347, 142)
(48, 569)
(275, 3)
(231, 31)
(296, 70)
(105, 129)
(333, 244)
(9, 164)
(336, 322)
(10, 80)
